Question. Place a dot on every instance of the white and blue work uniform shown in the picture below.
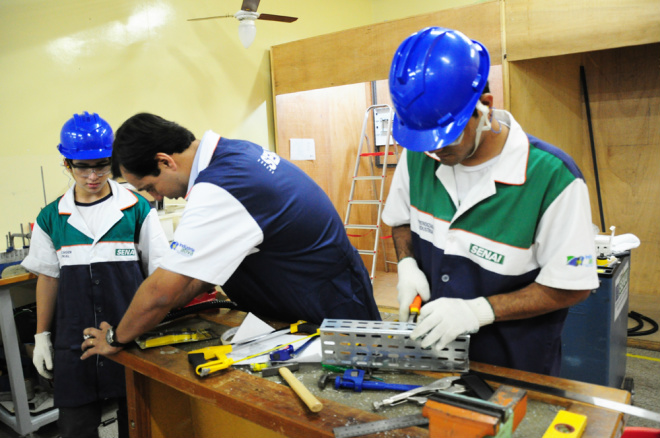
(263, 230)
(98, 275)
(527, 219)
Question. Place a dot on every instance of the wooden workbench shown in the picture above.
(167, 399)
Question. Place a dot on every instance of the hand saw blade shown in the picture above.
(596, 401)
(246, 343)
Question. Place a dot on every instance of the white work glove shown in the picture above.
(412, 282)
(443, 320)
(42, 357)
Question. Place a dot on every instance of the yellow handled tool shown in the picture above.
(201, 359)
(169, 337)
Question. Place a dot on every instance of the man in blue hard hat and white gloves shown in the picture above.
(492, 227)
(91, 249)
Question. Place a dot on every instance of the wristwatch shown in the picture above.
(111, 338)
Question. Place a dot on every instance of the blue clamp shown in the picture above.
(354, 379)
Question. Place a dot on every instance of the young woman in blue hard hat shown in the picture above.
(91, 249)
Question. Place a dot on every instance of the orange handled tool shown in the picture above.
(414, 309)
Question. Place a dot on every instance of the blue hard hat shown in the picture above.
(436, 79)
(86, 137)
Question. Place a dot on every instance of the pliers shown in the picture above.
(416, 395)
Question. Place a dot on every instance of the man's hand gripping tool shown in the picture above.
(415, 308)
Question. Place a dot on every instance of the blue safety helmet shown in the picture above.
(86, 137)
(437, 77)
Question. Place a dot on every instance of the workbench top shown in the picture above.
(16, 279)
(272, 404)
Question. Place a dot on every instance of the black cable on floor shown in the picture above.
(640, 319)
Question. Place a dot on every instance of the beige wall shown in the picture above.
(624, 96)
(386, 10)
(120, 57)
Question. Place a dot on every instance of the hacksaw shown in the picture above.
(596, 401)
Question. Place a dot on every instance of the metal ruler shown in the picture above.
(380, 426)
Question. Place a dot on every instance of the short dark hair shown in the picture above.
(140, 138)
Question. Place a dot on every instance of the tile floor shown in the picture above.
(649, 306)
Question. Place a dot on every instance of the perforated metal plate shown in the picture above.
(387, 345)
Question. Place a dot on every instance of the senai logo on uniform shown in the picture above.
(486, 254)
(182, 249)
(580, 260)
(270, 160)
(130, 252)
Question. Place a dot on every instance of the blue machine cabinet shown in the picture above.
(594, 340)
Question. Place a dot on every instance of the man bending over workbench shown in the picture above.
(254, 224)
(492, 227)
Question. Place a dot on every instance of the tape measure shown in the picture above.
(566, 425)
(380, 426)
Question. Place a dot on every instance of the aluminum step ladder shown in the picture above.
(382, 124)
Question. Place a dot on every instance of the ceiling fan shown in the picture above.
(246, 16)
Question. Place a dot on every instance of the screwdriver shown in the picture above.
(414, 309)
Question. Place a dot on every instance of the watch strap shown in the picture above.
(112, 338)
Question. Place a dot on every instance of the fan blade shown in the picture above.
(210, 18)
(250, 5)
(282, 18)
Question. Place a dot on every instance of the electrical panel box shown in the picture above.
(381, 123)
(594, 339)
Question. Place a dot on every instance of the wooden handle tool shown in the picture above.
(307, 397)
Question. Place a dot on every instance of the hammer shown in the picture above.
(307, 397)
